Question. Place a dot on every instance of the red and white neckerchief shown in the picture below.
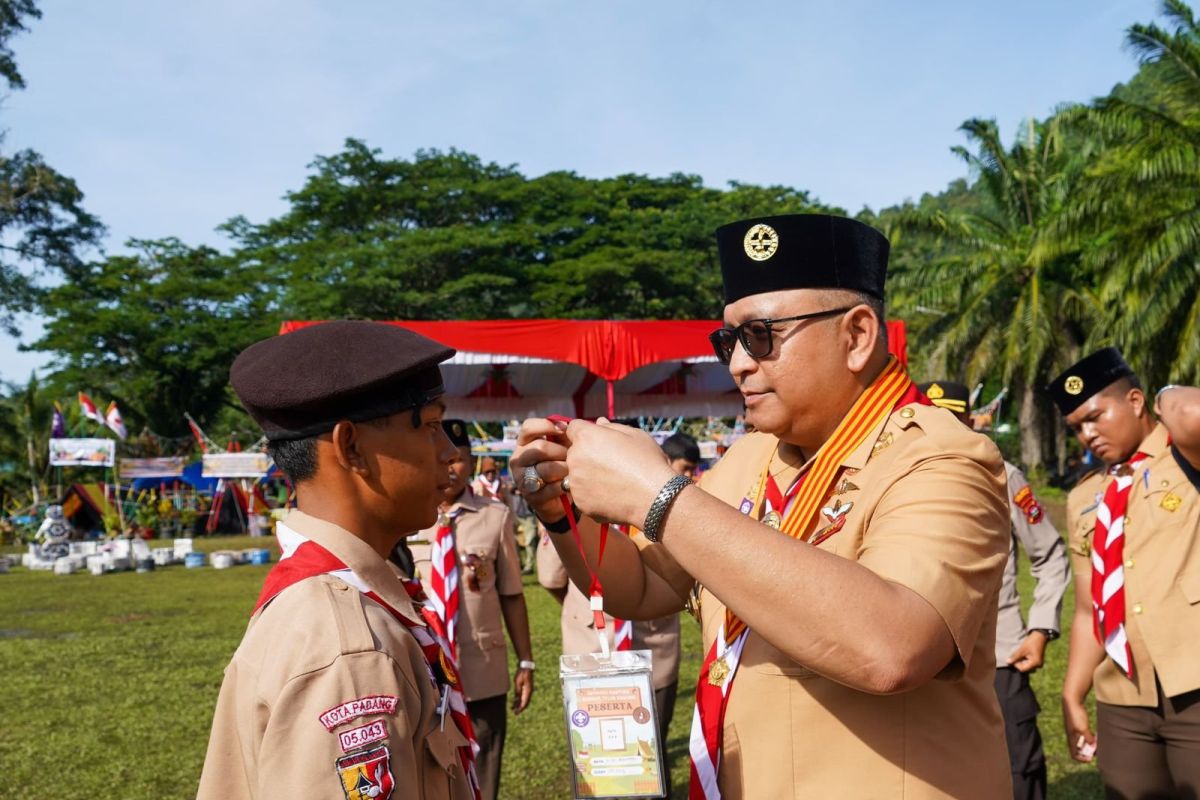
(622, 628)
(489, 489)
(302, 558)
(1108, 565)
(443, 596)
(891, 390)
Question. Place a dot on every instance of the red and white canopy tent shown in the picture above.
(513, 369)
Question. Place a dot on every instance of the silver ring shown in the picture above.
(531, 481)
(566, 484)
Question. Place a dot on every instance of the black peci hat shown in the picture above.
(301, 384)
(949, 395)
(801, 251)
(1088, 377)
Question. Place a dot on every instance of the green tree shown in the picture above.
(1000, 308)
(1136, 216)
(157, 331)
(42, 222)
(25, 420)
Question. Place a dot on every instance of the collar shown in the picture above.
(468, 501)
(377, 573)
(1157, 442)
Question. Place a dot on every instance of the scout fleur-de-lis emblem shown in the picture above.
(1171, 502)
(761, 242)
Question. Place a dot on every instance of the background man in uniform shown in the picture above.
(488, 484)
(1135, 546)
(339, 688)
(683, 454)
(1020, 646)
(867, 665)
(480, 566)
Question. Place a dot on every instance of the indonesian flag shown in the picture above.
(113, 420)
(88, 408)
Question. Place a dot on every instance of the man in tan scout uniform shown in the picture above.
(1135, 544)
(489, 596)
(1020, 646)
(339, 689)
(850, 550)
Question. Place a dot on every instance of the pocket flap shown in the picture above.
(443, 744)
(1190, 584)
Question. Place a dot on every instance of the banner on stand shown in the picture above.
(236, 465)
(166, 467)
(82, 452)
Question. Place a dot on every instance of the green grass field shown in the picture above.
(109, 685)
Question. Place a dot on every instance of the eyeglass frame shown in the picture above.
(739, 332)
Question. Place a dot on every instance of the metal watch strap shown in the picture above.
(662, 503)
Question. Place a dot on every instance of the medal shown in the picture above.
(772, 519)
(717, 672)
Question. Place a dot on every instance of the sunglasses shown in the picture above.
(755, 335)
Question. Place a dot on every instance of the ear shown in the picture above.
(346, 448)
(861, 328)
(1137, 399)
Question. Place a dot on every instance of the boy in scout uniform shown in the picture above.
(481, 554)
(850, 550)
(341, 687)
(1136, 550)
(1020, 646)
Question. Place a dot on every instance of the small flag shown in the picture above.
(201, 439)
(113, 420)
(58, 428)
(89, 409)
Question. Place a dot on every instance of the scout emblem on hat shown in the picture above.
(367, 776)
(1087, 378)
(761, 242)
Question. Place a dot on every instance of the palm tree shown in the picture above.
(1136, 215)
(25, 416)
(1000, 310)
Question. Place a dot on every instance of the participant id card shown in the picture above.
(612, 727)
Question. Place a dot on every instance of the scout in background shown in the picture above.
(469, 569)
(1020, 645)
(1134, 529)
(341, 686)
(850, 550)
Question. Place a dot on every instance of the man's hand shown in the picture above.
(522, 690)
(1081, 742)
(540, 445)
(616, 471)
(1030, 653)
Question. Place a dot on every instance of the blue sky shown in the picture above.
(174, 117)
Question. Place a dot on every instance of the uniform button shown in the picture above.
(907, 413)
(1165, 484)
(1137, 608)
(1129, 563)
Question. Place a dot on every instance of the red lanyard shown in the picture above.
(595, 590)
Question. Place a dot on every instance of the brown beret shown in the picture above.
(301, 384)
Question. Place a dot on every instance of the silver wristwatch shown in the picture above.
(662, 503)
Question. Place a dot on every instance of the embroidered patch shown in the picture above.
(1029, 505)
(367, 776)
(361, 707)
(362, 736)
(1171, 502)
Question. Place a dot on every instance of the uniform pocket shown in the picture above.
(1190, 584)
(441, 758)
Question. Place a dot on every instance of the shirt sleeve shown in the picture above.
(1047, 552)
(317, 743)
(942, 530)
(550, 570)
(508, 564)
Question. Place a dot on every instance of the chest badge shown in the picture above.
(1171, 502)
(882, 443)
(836, 510)
(846, 486)
(773, 520)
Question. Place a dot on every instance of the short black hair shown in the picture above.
(297, 458)
(680, 445)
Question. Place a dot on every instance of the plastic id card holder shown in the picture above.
(612, 729)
